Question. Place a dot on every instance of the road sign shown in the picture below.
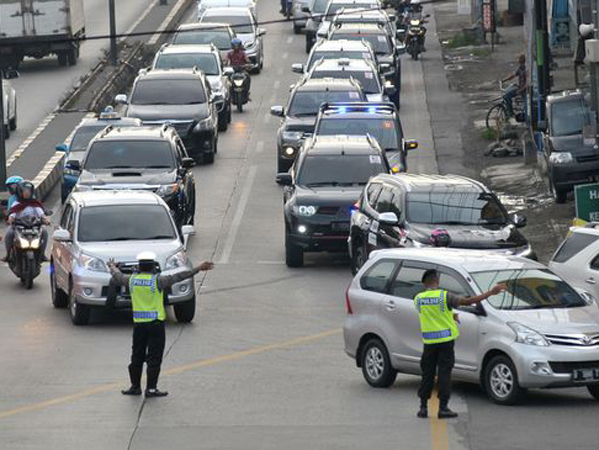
(586, 197)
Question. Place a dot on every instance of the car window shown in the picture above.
(396, 204)
(453, 285)
(220, 38)
(107, 155)
(84, 135)
(383, 203)
(307, 103)
(595, 263)
(569, 117)
(168, 92)
(573, 244)
(241, 24)
(207, 62)
(373, 193)
(377, 277)
(65, 219)
(408, 282)
(367, 78)
(338, 170)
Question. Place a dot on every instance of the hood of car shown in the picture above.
(117, 179)
(490, 237)
(570, 144)
(385, 59)
(327, 195)
(581, 320)
(246, 37)
(165, 112)
(304, 123)
(127, 251)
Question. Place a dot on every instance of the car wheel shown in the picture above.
(376, 364)
(594, 390)
(79, 313)
(559, 195)
(59, 298)
(62, 59)
(185, 311)
(72, 56)
(13, 122)
(501, 381)
(359, 257)
(192, 211)
(223, 122)
(294, 254)
(297, 29)
(6, 131)
(229, 115)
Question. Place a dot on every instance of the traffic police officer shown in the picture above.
(147, 296)
(439, 331)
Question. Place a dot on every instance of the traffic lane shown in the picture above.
(43, 84)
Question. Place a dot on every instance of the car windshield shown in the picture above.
(338, 170)
(368, 80)
(240, 24)
(214, 3)
(220, 38)
(455, 207)
(335, 7)
(528, 289)
(125, 223)
(105, 155)
(168, 92)
(336, 55)
(379, 42)
(319, 6)
(84, 135)
(385, 131)
(306, 103)
(568, 118)
(204, 61)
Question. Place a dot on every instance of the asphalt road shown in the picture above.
(262, 366)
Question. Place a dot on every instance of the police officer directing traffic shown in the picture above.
(147, 296)
(439, 331)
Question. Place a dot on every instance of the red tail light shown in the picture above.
(347, 302)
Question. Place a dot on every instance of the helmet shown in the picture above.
(146, 257)
(25, 186)
(439, 238)
(236, 42)
(12, 183)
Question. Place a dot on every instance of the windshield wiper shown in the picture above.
(303, 114)
(158, 167)
(323, 183)
(120, 238)
(119, 167)
(158, 236)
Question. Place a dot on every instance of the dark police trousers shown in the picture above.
(148, 346)
(437, 358)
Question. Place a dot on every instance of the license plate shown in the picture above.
(582, 375)
(340, 226)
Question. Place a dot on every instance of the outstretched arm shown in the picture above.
(166, 281)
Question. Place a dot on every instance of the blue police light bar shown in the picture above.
(368, 107)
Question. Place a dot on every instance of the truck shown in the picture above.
(38, 28)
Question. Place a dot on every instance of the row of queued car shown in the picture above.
(127, 179)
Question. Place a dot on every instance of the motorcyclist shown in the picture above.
(11, 185)
(238, 59)
(26, 205)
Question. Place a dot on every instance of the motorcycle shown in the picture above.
(25, 259)
(240, 85)
(415, 39)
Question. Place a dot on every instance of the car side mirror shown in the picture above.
(410, 145)
(390, 91)
(261, 32)
(278, 111)
(120, 99)
(73, 164)
(10, 74)
(62, 148)
(518, 220)
(297, 68)
(306, 9)
(187, 231)
(392, 17)
(322, 33)
(284, 179)
(228, 71)
(388, 218)
(61, 235)
(542, 125)
(188, 163)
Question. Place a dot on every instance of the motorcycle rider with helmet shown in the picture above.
(26, 205)
(238, 59)
(11, 185)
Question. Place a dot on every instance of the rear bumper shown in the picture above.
(566, 176)
(201, 143)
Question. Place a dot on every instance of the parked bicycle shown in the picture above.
(499, 113)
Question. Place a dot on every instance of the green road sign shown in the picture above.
(586, 197)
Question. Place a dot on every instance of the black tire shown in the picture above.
(594, 390)
(500, 381)
(229, 115)
(376, 364)
(72, 56)
(62, 59)
(185, 312)
(192, 211)
(309, 44)
(6, 131)
(559, 195)
(496, 118)
(79, 313)
(294, 254)
(240, 106)
(359, 257)
(223, 123)
(12, 123)
(297, 29)
(59, 297)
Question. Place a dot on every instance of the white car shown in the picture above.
(10, 108)
(203, 5)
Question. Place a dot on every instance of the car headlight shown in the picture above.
(306, 211)
(560, 158)
(92, 263)
(525, 335)
(249, 45)
(203, 125)
(292, 135)
(176, 261)
(168, 189)
(23, 243)
(289, 152)
(71, 172)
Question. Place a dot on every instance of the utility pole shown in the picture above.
(591, 47)
(2, 136)
(113, 46)
(542, 58)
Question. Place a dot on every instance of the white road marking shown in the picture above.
(260, 147)
(142, 17)
(154, 39)
(271, 263)
(243, 201)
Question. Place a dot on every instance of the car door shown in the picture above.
(365, 219)
(61, 251)
(387, 235)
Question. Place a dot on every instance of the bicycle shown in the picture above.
(499, 113)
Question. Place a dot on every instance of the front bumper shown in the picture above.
(254, 56)
(321, 234)
(566, 176)
(199, 143)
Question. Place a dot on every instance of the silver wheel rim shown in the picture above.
(502, 380)
(375, 363)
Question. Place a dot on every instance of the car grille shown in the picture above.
(328, 210)
(569, 367)
(182, 126)
(588, 158)
(574, 340)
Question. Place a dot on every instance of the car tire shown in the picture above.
(192, 210)
(12, 123)
(594, 390)
(559, 195)
(72, 56)
(376, 364)
(59, 297)
(359, 257)
(79, 313)
(229, 115)
(62, 58)
(185, 311)
(6, 131)
(309, 44)
(500, 381)
(294, 254)
(297, 29)
(223, 122)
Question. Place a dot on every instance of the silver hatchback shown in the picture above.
(97, 226)
(540, 333)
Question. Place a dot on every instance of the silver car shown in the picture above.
(540, 333)
(97, 226)
(299, 15)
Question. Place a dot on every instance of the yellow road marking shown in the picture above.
(171, 371)
(439, 436)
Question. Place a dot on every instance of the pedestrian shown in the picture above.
(439, 331)
(147, 296)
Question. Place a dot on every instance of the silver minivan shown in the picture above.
(540, 333)
(96, 226)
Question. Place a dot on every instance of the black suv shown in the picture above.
(321, 189)
(300, 114)
(181, 98)
(147, 158)
(379, 120)
(405, 210)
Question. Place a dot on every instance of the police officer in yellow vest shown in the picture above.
(439, 331)
(147, 296)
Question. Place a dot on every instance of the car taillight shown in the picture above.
(347, 302)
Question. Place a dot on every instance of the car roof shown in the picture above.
(329, 84)
(343, 64)
(359, 28)
(361, 12)
(349, 2)
(171, 74)
(117, 122)
(343, 145)
(591, 228)
(564, 96)
(109, 198)
(145, 133)
(342, 45)
(221, 2)
(178, 49)
(227, 10)
(203, 25)
(470, 261)
(354, 110)
(425, 183)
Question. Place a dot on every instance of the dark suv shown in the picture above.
(300, 114)
(380, 120)
(405, 210)
(144, 158)
(183, 99)
(320, 190)
(568, 158)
